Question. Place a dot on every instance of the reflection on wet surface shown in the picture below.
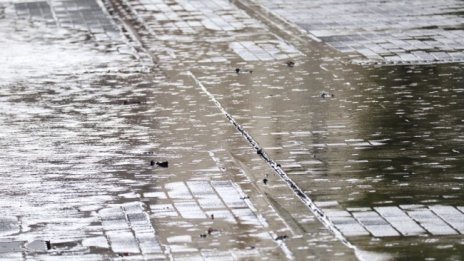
(390, 32)
(378, 149)
(388, 137)
(92, 150)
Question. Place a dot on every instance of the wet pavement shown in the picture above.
(382, 32)
(275, 145)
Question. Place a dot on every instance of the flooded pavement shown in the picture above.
(210, 130)
(376, 148)
(364, 154)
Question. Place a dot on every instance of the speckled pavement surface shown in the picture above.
(382, 32)
(85, 111)
(272, 161)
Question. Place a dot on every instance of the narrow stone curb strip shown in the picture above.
(264, 13)
(276, 167)
(120, 8)
(132, 38)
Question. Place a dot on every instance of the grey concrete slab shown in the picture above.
(229, 194)
(13, 246)
(343, 220)
(200, 188)
(348, 226)
(122, 241)
(450, 215)
(375, 224)
(190, 210)
(400, 220)
(178, 190)
(431, 222)
(9, 225)
(356, 26)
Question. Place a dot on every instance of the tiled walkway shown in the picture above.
(89, 188)
(390, 32)
(391, 221)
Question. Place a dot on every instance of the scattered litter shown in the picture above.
(212, 231)
(238, 70)
(162, 164)
(326, 95)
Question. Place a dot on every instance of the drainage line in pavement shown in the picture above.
(297, 190)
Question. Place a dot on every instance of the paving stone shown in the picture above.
(115, 224)
(178, 190)
(39, 10)
(132, 207)
(211, 202)
(157, 194)
(431, 222)
(11, 256)
(163, 210)
(201, 188)
(189, 210)
(357, 26)
(348, 226)
(194, 257)
(246, 216)
(12, 246)
(148, 243)
(221, 214)
(375, 224)
(9, 225)
(36, 246)
(111, 213)
(451, 215)
(229, 194)
(400, 220)
(129, 230)
(217, 255)
(202, 198)
(264, 50)
(122, 241)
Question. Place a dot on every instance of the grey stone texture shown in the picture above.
(388, 32)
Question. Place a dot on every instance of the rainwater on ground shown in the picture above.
(375, 147)
(359, 138)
